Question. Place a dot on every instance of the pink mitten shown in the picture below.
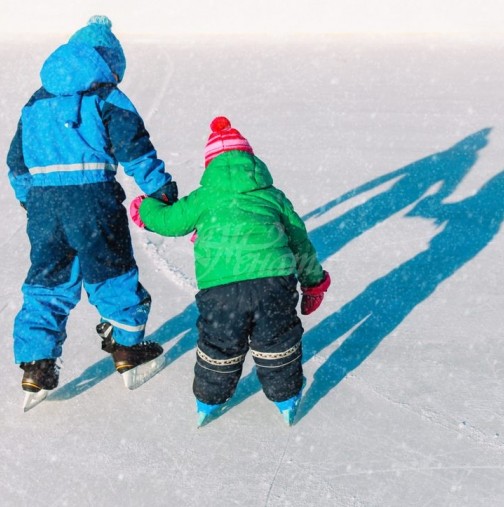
(135, 210)
(312, 296)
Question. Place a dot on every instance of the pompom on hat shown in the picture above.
(224, 138)
(98, 34)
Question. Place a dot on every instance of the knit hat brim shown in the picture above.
(224, 138)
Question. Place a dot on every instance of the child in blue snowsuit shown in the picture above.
(63, 159)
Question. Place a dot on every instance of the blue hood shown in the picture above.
(74, 68)
(68, 72)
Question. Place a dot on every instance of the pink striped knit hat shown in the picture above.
(224, 138)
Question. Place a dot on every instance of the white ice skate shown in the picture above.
(33, 399)
(140, 374)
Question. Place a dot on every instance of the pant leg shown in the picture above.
(97, 227)
(275, 341)
(52, 287)
(224, 326)
(124, 302)
(40, 326)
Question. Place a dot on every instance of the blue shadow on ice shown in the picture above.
(182, 325)
(447, 169)
(466, 227)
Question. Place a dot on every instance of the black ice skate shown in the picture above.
(38, 379)
(137, 363)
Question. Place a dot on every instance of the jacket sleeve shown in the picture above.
(131, 144)
(19, 176)
(310, 271)
(177, 219)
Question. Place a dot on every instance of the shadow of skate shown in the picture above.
(182, 326)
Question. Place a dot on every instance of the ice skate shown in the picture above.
(137, 363)
(204, 411)
(288, 408)
(39, 378)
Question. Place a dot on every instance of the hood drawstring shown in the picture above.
(68, 111)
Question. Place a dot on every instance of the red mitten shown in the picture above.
(135, 210)
(312, 296)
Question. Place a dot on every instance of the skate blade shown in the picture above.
(202, 417)
(206, 417)
(289, 416)
(33, 399)
(137, 376)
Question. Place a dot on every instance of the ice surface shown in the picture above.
(393, 150)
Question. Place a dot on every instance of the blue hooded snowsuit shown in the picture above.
(73, 133)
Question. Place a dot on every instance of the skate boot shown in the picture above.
(288, 408)
(39, 377)
(137, 363)
(204, 410)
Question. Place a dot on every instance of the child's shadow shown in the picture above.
(468, 226)
(446, 169)
(182, 323)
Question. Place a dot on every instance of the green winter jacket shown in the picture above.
(246, 228)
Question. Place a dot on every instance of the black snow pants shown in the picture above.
(257, 314)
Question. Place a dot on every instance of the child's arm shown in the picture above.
(309, 269)
(19, 176)
(132, 146)
(177, 219)
(314, 280)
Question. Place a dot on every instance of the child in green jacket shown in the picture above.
(250, 251)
